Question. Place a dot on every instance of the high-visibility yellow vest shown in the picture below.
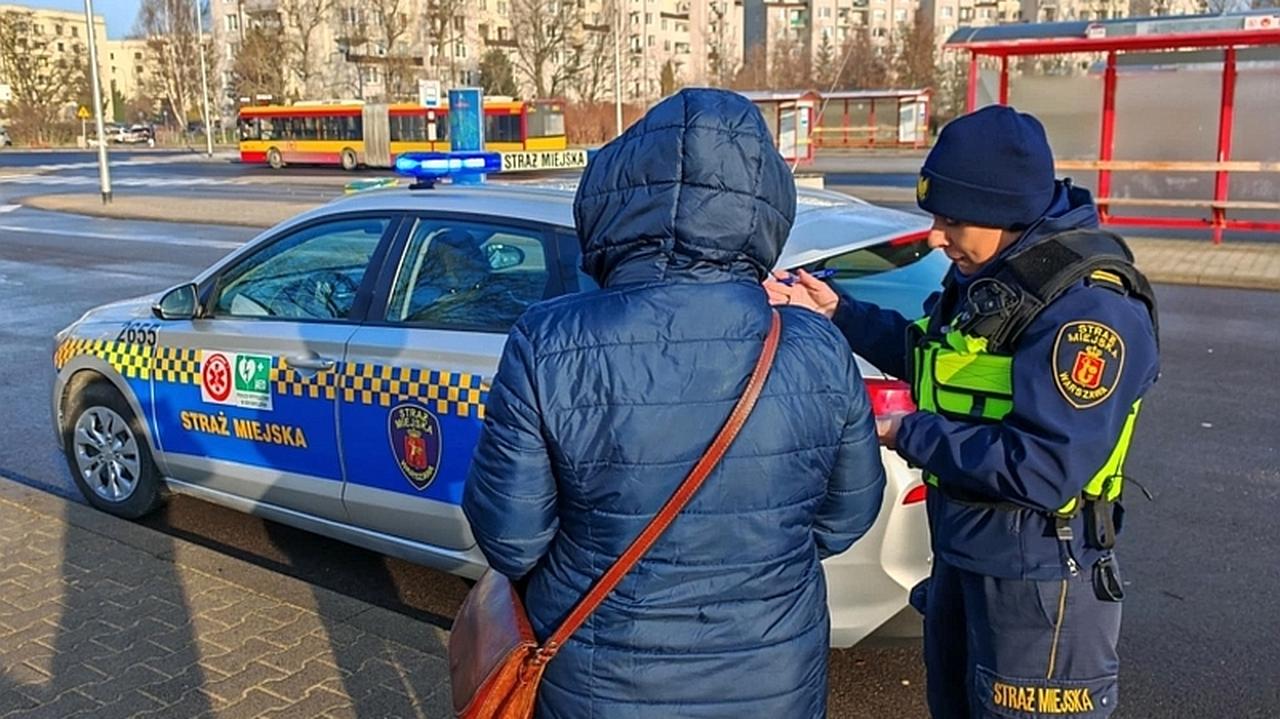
(956, 376)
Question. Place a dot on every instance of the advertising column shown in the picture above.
(466, 126)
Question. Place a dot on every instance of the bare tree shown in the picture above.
(442, 22)
(864, 65)
(721, 46)
(391, 19)
(949, 101)
(170, 29)
(304, 20)
(256, 69)
(41, 81)
(915, 63)
(543, 54)
(593, 57)
(789, 64)
(754, 73)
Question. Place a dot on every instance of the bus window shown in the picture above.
(269, 129)
(352, 127)
(546, 119)
(408, 128)
(249, 129)
(502, 128)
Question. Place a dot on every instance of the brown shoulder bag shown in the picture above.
(495, 661)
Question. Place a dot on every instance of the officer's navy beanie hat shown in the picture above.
(992, 168)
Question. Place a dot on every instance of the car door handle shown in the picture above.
(316, 364)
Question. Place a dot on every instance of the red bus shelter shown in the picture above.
(1224, 33)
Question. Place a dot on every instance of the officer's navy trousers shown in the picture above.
(1014, 648)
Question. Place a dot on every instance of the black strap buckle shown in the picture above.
(1107, 586)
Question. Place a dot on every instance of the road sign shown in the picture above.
(545, 160)
(83, 113)
(429, 93)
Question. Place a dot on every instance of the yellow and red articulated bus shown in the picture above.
(353, 134)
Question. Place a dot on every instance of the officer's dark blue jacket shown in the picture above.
(1045, 451)
(604, 400)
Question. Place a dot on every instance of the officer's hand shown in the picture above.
(887, 428)
(806, 291)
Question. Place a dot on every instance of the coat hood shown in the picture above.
(694, 191)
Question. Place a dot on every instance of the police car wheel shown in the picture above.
(349, 160)
(108, 453)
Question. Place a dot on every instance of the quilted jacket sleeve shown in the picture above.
(510, 494)
(856, 486)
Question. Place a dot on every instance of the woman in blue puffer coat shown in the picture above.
(604, 400)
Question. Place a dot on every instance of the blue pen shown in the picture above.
(817, 275)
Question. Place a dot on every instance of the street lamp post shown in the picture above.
(617, 66)
(104, 173)
(204, 81)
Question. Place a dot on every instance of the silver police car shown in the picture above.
(331, 374)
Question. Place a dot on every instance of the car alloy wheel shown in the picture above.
(106, 454)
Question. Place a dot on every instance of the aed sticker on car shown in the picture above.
(238, 380)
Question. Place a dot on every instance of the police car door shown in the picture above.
(416, 374)
(245, 395)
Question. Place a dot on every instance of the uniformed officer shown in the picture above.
(1028, 370)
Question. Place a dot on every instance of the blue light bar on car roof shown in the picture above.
(428, 167)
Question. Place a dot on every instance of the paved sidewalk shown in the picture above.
(102, 618)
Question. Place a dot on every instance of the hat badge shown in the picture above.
(922, 188)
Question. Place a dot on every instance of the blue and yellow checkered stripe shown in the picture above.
(131, 360)
(178, 365)
(461, 394)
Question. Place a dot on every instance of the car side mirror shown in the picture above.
(502, 256)
(179, 303)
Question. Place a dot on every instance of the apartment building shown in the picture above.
(1056, 10)
(352, 57)
(815, 24)
(126, 63)
(1148, 8)
(61, 35)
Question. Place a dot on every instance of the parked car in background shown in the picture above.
(140, 135)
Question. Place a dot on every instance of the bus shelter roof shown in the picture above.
(1258, 27)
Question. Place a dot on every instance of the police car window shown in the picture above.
(896, 275)
(312, 274)
(468, 276)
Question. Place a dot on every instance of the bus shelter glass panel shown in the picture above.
(831, 126)
(1254, 134)
(860, 128)
(1166, 112)
(1065, 93)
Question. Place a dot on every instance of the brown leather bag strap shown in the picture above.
(677, 502)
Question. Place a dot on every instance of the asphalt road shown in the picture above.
(1201, 619)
